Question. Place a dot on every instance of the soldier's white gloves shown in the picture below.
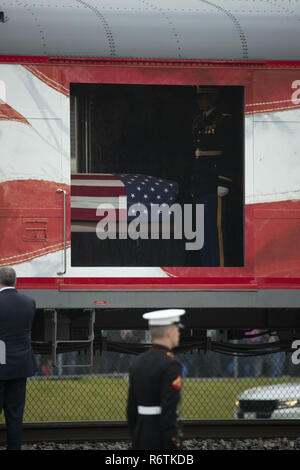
(222, 191)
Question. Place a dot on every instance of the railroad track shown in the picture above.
(79, 431)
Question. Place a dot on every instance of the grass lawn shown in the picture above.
(104, 398)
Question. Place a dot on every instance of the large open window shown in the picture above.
(155, 181)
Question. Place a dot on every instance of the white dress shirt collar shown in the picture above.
(8, 287)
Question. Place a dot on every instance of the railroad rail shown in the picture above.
(79, 431)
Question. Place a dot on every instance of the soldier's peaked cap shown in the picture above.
(164, 317)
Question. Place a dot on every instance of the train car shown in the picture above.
(97, 105)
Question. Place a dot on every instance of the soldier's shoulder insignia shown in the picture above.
(177, 383)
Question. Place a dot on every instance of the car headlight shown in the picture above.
(288, 403)
(237, 403)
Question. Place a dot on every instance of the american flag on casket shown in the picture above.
(120, 194)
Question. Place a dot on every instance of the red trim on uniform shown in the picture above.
(177, 383)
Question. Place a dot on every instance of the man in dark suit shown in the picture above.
(16, 361)
(155, 386)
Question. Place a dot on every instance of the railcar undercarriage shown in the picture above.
(224, 331)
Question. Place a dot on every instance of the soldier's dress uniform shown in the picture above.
(212, 166)
(153, 397)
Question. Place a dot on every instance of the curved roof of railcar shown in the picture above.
(152, 29)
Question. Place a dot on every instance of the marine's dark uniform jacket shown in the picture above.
(155, 384)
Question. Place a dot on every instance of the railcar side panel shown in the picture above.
(35, 163)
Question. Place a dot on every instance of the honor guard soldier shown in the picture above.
(155, 386)
(212, 171)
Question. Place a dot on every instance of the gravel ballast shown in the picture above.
(191, 444)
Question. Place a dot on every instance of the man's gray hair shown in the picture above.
(7, 276)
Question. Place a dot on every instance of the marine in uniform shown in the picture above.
(212, 172)
(155, 386)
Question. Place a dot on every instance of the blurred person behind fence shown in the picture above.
(155, 386)
(275, 361)
(16, 315)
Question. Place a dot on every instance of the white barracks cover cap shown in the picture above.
(164, 317)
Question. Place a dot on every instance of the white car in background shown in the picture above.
(280, 401)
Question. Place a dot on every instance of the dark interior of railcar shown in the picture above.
(147, 130)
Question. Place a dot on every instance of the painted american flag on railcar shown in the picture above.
(118, 192)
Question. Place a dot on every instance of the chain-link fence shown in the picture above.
(215, 386)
